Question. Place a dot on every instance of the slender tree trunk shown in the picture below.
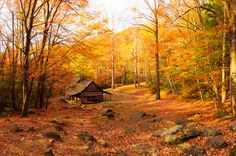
(13, 87)
(225, 56)
(135, 62)
(233, 57)
(113, 63)
(158, 94)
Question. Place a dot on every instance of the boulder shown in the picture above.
(233, 151)
(52, 135)
(173, 139)
(15, 129)
(160, 132)
(152, 120)
(173, 130)
(48, 152)
(194, 151)
(183, 122)
(121, 153)
(207, 131)
(59, 123)
(188, 133)
(139, 149)
(217, 142)
(232, 127)
(85, 136)
(108, 113)
(138, 115)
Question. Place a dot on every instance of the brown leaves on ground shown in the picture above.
(123, 133)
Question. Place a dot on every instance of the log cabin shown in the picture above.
(87, 91)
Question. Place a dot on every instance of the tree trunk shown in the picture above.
(233, 56)
(158, 94)
(13, 87)
(113, 63)
(26, 85)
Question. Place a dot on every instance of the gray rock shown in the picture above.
(160, 132)
(188, 133)
(15, 129)
(207, 131)
(108, 113)
(173, 139)
(121, 153)
(139, 149)
(183, 122)
(49, 152)
(217, 142)
(233, 151)
(52, 134)
(173, 130)
(59, 123)
(152, 120)
(85, 136)
(138, 115)
(232, 127)
(194, 151)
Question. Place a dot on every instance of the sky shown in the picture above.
(119, 9)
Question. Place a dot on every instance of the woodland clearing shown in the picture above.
(131, 134)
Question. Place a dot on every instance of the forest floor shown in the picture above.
(128, 132)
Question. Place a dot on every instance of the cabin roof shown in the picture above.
(78, 86)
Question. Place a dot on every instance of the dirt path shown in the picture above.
(125, 132)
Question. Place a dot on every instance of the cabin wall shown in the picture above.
(91, 97)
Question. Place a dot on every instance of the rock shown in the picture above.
(183, 146)
(85, 136)
(207, 131)
(58, 128)
(173, 130)
(53, 135)
(138, 115)
(103, 143)
(59, 123)
(233, 151)
(121, 153)
(194, 151)
(152, 120)
(188, 133)
(49, 152)
(153, 151)
(183, 122)
(30, 129)
(139, 149)
(160, 132)
(232, 127)
(109, 113)
(221, 114)
(15, 129)
(91, 154)
(217, 142)
(173, 139)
